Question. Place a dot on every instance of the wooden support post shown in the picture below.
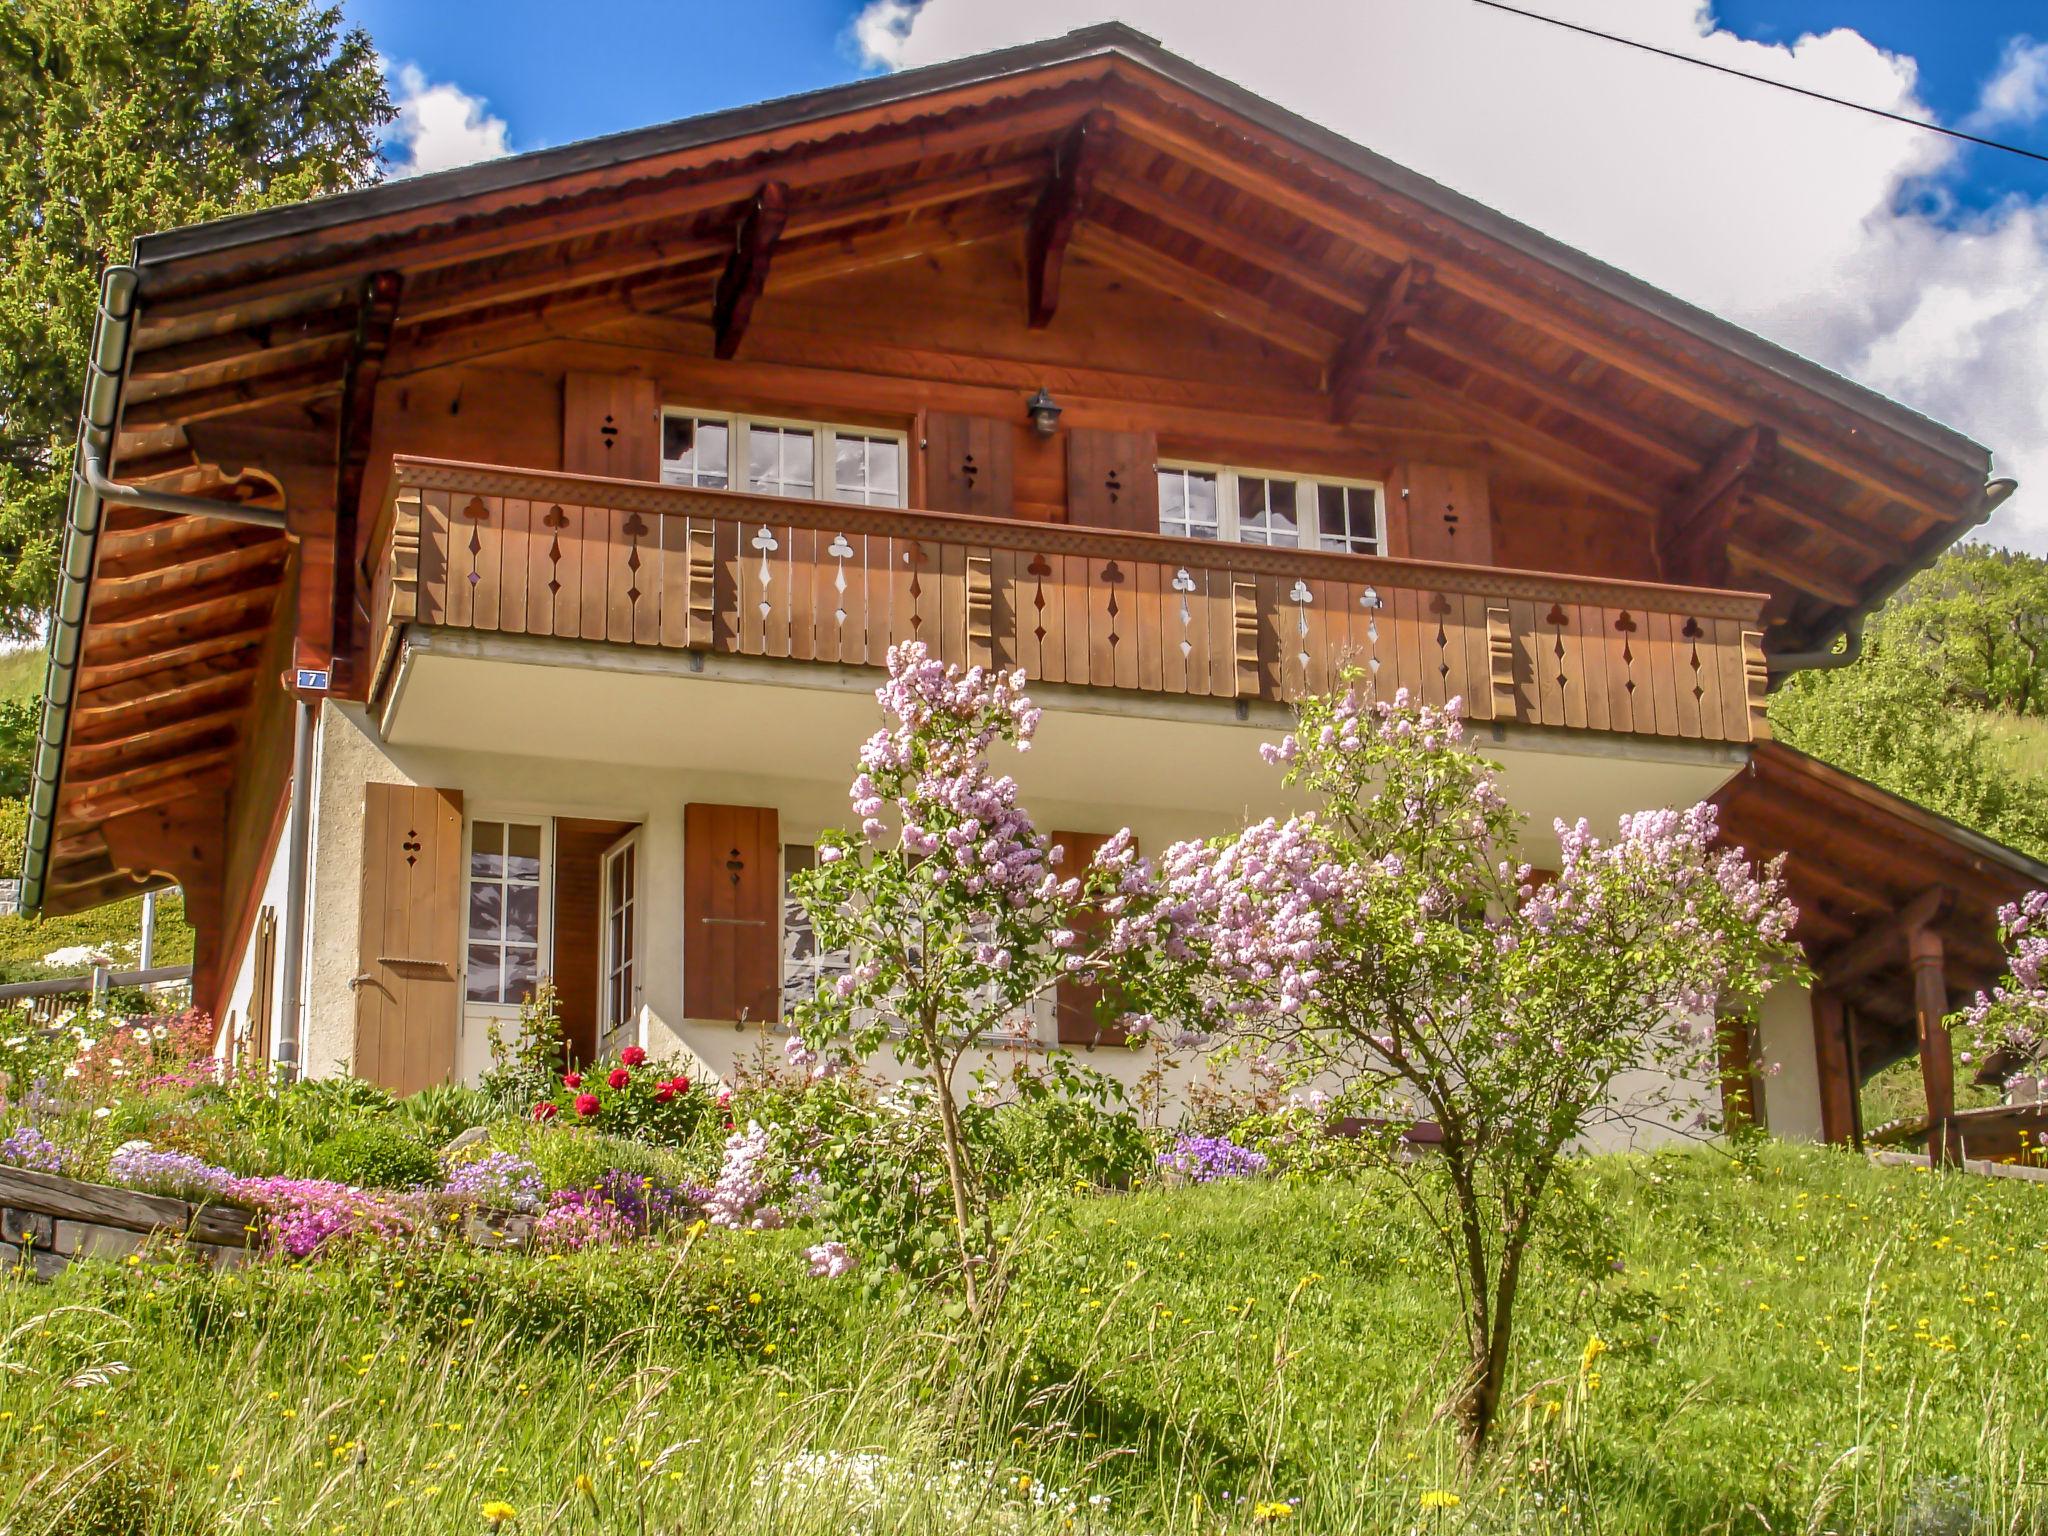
(1837, 1074)
(1738, 1075)
(1937, 1055)
(1377, 335)
(1059, 209)
(1705, 503)
(746, 268)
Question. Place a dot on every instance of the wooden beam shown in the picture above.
(1885, 944)
(1705, 501)
(1374, 338)
(1937, 1051)
(1060, 207)
(746, 267)
(1134, 258)
(345, 634)
(98, 670)
(1831, 1060)
(287, 387)
(200, 679)
(290, 337)
(1802, 575)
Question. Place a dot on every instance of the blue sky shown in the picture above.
(1886, 252)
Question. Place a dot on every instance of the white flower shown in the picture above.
(142, 1033)
(160, 1032)
(72, 1070)
(101, 1113)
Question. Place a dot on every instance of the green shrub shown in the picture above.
(376, 1157)
(1062, 1142)
(571, 1158)
(104, 1490)
(441, 1113)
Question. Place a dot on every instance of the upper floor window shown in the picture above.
(1200, 501)
(808, 460)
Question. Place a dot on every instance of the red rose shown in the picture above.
(680, 1083)
(619, 1077)
(572, 1079)
(632, 1055)
(544, 1111)
(663, 1092)
(586, 1104)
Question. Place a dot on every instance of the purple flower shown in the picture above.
(1205, 1159)
(27, 1147)
(501, 1180)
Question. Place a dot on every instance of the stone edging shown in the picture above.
(1971, 1165)
(48, 1222)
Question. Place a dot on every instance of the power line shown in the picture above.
(1743, 74)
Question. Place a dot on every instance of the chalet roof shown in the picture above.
(537, 169)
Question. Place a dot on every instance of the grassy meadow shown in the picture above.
(1791, 1340)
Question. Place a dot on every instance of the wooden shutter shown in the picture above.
(1438, 513)
(1077, 1004)
(263, 981)
(408, 978)
(611, 425)
(732, 912)
(970, 464)
(1113, 479)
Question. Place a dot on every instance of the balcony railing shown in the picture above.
(478, 548)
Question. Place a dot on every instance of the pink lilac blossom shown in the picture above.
(735, 1200)
(829, 1260)
(2011, 1021)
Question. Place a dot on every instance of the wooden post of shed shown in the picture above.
(1937, 1054)
(1837, 1072)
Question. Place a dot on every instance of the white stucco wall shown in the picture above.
(1788, 1066)
(586, 742)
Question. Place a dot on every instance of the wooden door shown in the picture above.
(732, 908)
(1439, 513)
(619, 963)
(1078, 1006)
(611, 425)
(1113, 479)
(408, 996)
(970, 464)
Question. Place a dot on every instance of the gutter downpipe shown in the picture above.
(91, 490)
(297, 858)
(1827, 659)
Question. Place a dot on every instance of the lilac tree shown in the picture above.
(952, 915)
(1389, 947)
(2009, 1024)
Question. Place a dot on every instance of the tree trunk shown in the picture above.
(956, 1168)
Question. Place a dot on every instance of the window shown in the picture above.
(807, 460)
(1259, 507)
(804, 966)
(504, 910)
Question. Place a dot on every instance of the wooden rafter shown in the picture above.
(1134, 258)
(1060, 207)
(745, 276)
(1884, 945)
(1708, 499)
(1375, 337)
(1802, 575)
(288, 337)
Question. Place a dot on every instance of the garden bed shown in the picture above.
(48, 1222)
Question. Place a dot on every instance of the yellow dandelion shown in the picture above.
(1273, 1509)
(1440, 1498)
(496, 1512)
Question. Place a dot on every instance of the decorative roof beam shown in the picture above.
(1060, 206)
(1802, 575)
(1375, 337)
(1885, 944)
(746, 268)
(1727, 481)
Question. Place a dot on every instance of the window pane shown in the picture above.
(1281, 520)
(713, 439)
(522, 914)
(779, 460)
(523, 852)
(486, 910)
(522, 969)
(865, 468)
(1187, 503)
(483, 973)
(1172, 497)
(1202, 503)
(693, 451)
(487, 850)
(1347, 516)
(885, 471)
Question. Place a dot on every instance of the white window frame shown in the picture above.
(612, 1031)
(544, 949)
(824, 451)
(1309, 526)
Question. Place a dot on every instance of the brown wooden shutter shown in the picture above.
(1439, 513)
(1113, 479)
(732, 912)
(408, 986)
(263, 979)
(611, 425)
(1077, 1004)
(970, 464)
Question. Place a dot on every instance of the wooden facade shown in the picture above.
(1602, 510)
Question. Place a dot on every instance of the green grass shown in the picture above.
(2025, 740)
(21, 671)
(1794, 1342)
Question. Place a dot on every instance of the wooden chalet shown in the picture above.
(479, 575)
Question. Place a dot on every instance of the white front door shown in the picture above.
(618, 962)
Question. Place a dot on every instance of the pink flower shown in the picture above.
(586, 1104)
(545, 1111)
(572, 1079)
(829, 1260)
(632, 1056)
(618, 1077)
(725, 1098)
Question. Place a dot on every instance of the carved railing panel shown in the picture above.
(627, 563)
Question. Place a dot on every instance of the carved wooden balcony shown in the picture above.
(479, 548)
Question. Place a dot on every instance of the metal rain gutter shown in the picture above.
(91, 491)
(1826, 658)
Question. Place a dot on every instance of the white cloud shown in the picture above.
(440, 125)
(1822, 228)
(2017, 91)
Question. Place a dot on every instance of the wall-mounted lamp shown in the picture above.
(1044, 413)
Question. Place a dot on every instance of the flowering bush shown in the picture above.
(735, 1201)
(2009, 1024)
(27, 1147)
(1389, 942)
(502, 1181)
(620, 1208)
(141, 1055)
(304, 1214)
(1204, 1159)
(633, 1097)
